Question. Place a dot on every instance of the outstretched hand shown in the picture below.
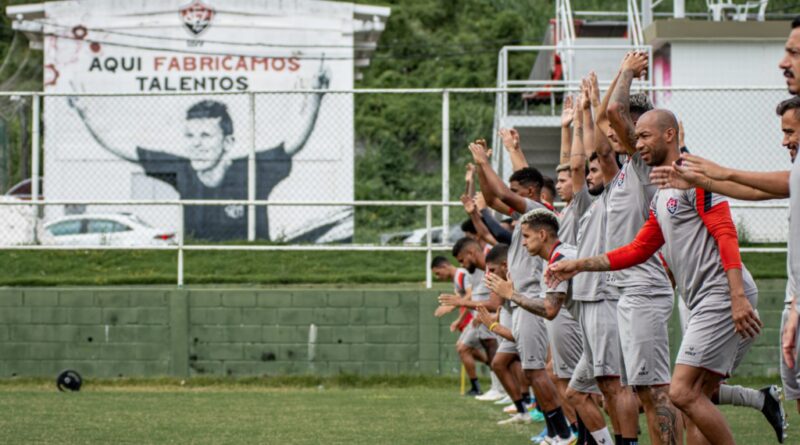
(486, 317)
(504, 289)
(674, 177)
(510, 138)
(560, 271)
(636, 62)
(469, 203)
(703, 166)
(443, 310)
(480, 202)
(479, 155)
(594, 90)
(567, 112)
(450, 300)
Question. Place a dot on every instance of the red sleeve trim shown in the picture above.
(647, 242)
(719, 223)
(460, 280)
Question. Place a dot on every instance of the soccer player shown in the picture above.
(540, 229)
(548, 194)
(695, 171)
(644, 291)
(700, 243)
(470, 255)
(530, 333)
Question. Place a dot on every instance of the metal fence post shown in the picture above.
(35, 161)
(445, 164)
(251, 172)
(429, 247)
(180, 244)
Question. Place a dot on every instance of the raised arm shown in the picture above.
(469, 180)
(510, 138)
(492, 187)
(679, 177)
(577, 157)
(498, 232)
(568, 115)
(477, 221)
(634, 65)
(127, 153)
(605, 155)
(774, 183)
(493, 303)
(311, 112)
(646, 244)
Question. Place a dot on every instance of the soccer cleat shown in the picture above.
(773, 410)
(516, 419)
(540, 438)
(536, 415)
(490, 396)
(504, 401)
(474, 392)
(510, 409)
(571, 440)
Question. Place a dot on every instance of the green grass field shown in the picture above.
(56, 268)
(418, 412)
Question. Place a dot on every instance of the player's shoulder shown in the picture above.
(273, 154)
(147, 155)
(564, 251)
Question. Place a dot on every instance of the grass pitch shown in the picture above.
(167, 412)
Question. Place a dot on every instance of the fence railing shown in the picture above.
(744, 114)
(429, 247)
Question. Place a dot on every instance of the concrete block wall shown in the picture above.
(153, 331)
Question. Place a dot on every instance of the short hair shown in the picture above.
(789, 104)
(549, 184)
(563, 168)
(440, 261)
(593, 156)
(541, 219)
(211, 109)
(640, 103)
(796, 22)
(527, 177)
(498, 254)
(462, 244)
(469, 227)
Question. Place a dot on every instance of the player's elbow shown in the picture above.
(551, 312)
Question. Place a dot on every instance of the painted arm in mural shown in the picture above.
(310, 111)
(126, 152)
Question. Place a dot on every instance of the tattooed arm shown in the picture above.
(546, 307)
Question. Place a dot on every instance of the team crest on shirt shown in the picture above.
(672, 206)
(621, 179)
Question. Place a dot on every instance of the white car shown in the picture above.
(112, 229)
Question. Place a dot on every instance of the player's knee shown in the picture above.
(498, 365)
(575, 398)
(461, 348)
(682, 395)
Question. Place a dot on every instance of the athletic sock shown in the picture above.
(559, 422)
(496, 385)
(520, 406)
(634, 441)
(581, 430)
(526, 397)
(740, 396)
(601, 437)
(549, 429)
(574, 428)
(476, 385)
(617, 439)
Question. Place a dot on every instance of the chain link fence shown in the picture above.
(340, 147)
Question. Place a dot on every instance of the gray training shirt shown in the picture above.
(794, 227)
(627, 208)
(525, 270)
(570, 217)
(479, 290)
(591, 286)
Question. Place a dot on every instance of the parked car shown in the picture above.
(112, 229)
(418, 237)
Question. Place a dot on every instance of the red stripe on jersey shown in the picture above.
(647, 242)
(719, 223)
(460, 275)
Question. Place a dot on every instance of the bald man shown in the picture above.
(699, 240)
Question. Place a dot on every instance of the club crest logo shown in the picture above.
(672, 205)
(621, 179)
(197, 17)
